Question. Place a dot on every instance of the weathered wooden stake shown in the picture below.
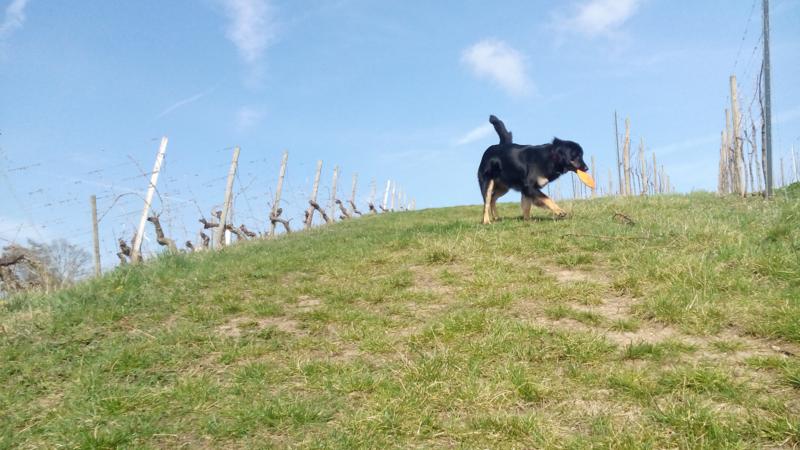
(626, 158)
(722, 166)
(655, 175)
(314, 189)
(616, 139)
(738, 160)
(759, 172)
(386, 195)
(276, 204)
(332, 205)
(644, 167)
(136, 251)
(372, 207)
(353, 194)
(219, 232)
(95, 236)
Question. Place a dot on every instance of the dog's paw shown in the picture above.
(561, 214)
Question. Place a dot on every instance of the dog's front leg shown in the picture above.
(544, 201)
(526, 203)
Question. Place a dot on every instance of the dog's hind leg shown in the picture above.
(544, 201)
(500, 190)
(487, 202)
(526, 203)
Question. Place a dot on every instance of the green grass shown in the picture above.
(426, 329)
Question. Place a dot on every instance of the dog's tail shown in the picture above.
(500, 128)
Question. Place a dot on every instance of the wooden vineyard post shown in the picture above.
(332, 205)
(655, 175)
(722, 166)
(314, 189)
(372, 208)
(136, 251)
(626, 158)
(353, 194)
(95, 237)
(219, 232)
(276, 203)
(386, 195)
(644, 167)
(736, 141)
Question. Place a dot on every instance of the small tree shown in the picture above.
(39, 265)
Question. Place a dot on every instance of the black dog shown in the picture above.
(524, 168)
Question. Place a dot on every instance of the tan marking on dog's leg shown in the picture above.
(547, 202)
(493, 208)
(526, 203)
(487, 203)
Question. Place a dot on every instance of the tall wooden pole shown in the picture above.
(95, 236)
(277, 203)
(644, 167)
(310, 211)
(332, 205)
(759, 169)
(610, 192)
(767, 98)
(136, 251)
(730, 153)
(616, 137)
(738, 165)
(353, 194)
(655, 174)
(626, 157)
(386, 194)
(219, 232)
(722, 166)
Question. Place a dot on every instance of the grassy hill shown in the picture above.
(426, 329)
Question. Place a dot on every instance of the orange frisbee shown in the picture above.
(586, 178)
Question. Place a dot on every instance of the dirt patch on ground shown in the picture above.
(426, 279)
(563, 275)
(307, 304)
(238, 326)
(618, 308)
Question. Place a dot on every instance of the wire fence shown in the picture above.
(184, 194)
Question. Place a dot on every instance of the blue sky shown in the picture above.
(393, 89)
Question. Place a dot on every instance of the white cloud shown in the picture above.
(599, 17)
(475, 134)
(251, 27)
(14, 18)
(247, 117)
(495, 60)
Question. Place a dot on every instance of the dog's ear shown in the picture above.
(560, 151)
